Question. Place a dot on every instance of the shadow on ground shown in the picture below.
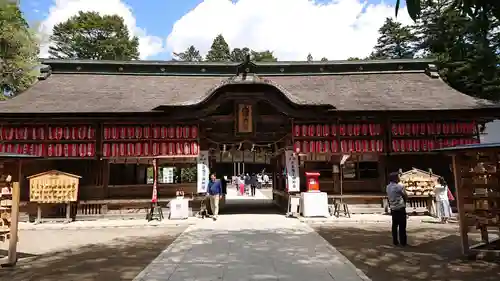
(121, 259)
(249, 206)
(435, 255)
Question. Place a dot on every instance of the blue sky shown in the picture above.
(157, 18)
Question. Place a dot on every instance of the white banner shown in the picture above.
(292, 171)
(203, 172)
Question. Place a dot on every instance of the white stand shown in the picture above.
(314, 204)
(293, 209)
(179, 209)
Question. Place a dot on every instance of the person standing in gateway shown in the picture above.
(215, 192)
(397, 202)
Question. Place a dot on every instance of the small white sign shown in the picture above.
(168, 175)
(203, 172)
(292, 171)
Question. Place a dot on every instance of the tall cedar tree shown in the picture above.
(415, 7)
(89, 35)
(239, 55)
(219, 51)
(190, 54)
(18, 52)
(465, 48)
(263, 56)
(395, 42)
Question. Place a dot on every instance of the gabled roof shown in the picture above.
(142, 86)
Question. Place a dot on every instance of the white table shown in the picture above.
(179, 208)
(314, 204)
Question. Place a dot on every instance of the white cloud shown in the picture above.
(62, 10)
(291, 28)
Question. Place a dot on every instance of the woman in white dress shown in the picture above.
(442, 201)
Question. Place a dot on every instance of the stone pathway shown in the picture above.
(250, 247)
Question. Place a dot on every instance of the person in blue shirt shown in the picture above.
(215, 192)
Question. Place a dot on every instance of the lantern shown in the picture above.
(343, 146)
(319, 130)
(416, 145)
(453, 128)
(171, 132)
(380, 146)
(304, 130)
(123, 150)
(414, 129)
(312, 147)
(106, 133)
(396, 146)
(446, 128)
(178, 148)
(146, 132)
(310, 130)
(131, 132)
(187, 149)
(401, 129)
(326, 130)
(105, 149)
(166, 148)
(296, 147)
(421, 129)
(130, 149)
(156, 132)
(185, 132)
(194, 148)
(74, 149)
(350, 129)
(366, 146)
(342, 130)
(305, 146)
(164, 132)
(50, 150)
(178, 132)
(58, 150)
(90, 149)
(296, 131)
(138, 132)
(334, 130)
(364, 129)
(409, 145)
(438, 128)
(319, 147)
(454, 142)
(326, 146)
(194, 133)
(357, 129)
(357, 146)
(146, 149)
(408, 129)
(432, 145)
(138, 149)
(123, 132)
(156, 149)
(394, 129)
(430, 129)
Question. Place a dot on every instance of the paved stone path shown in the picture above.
(250, 247)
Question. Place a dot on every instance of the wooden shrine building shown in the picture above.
(104, 120)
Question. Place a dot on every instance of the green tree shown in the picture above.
(18, 51)
(219, 51)
(89, 35)
(353, 59)
(395, 42)
(263, 56)
(190, 54)
(310, 57)
(470, 8)
(239, 55)
(324, 59)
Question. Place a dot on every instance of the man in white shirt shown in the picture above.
(397, 202)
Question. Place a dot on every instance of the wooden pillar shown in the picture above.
(16, 196)
(464, 229)
(105, 178)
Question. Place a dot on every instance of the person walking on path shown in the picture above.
(253, 184)
(397, 202)
(443, 196)
(215, 192)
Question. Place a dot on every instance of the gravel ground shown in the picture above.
(87, 255)
(435, 253)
